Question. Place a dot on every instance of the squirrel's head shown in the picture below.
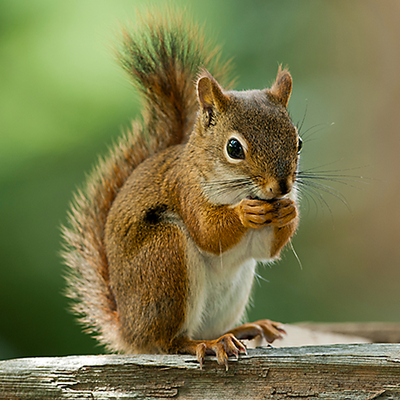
(250, 144)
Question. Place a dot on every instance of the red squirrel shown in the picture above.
(163, 240)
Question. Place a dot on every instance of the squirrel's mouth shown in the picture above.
(254, 198)
(258, 198)
(267, 199)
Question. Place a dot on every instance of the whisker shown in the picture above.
(314, 190)
(342, 179)
(236, 188)
(333, 170)
(321, 199)
(328, 189)
(222, 189)
(321, 127)
(229, 184)
(228, 181)
(302, 121)
(295, 254)
(303, 190)
(322, 166)
(260, 278)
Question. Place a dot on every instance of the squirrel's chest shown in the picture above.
(223, 284)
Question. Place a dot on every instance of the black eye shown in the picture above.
(299, 145)
(235, 149)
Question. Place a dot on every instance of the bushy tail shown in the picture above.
(162, 60)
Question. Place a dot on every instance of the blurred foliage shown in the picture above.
(64, 100)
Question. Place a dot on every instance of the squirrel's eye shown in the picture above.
(299, 145)
(235, 149)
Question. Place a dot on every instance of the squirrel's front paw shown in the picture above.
(254, 213)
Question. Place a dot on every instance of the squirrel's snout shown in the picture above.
(280, 188)
(285, 187)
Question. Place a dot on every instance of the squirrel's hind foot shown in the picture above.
(267, 329)
(224, 347)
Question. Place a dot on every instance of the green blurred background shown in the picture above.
(64, 100)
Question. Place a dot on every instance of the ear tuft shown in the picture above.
(282, 88)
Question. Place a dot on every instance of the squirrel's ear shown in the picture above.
(282, 88)
(210, 93)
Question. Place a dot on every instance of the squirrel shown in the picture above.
(162, 242)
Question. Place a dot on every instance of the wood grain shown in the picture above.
(346, 371)
(376, 332)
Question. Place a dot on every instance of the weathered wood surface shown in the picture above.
(356, 371)
(299, 336)
(377, 332)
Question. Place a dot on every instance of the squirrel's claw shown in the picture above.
(222, 348)
(271, 330)
(201, 353)
(266, 328)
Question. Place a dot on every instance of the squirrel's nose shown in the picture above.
(284, 187)
(278, 188)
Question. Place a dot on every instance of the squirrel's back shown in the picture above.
(162, 60)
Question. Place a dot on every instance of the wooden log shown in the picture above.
(376, 332)
(346, 371)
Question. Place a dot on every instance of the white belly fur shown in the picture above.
(222, 284)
